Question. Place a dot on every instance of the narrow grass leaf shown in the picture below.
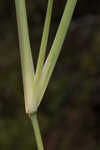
(56, 47)
(25, 54)
(44, 40)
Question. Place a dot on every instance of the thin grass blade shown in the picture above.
(44, 40)
(56, 47)
(25, 54)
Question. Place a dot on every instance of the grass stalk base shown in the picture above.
(37, 133)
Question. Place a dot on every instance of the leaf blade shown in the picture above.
(25, 53)
(56, 47)
(44, 40)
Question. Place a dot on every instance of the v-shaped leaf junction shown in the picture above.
(35, 83)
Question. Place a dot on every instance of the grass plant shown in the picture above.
(36, 81)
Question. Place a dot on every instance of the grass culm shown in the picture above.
(35, 81)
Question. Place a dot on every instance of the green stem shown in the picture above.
(56, 46)
(25, 54)
(44, 40)
(37, 131)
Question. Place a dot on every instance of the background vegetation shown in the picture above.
(70, 112)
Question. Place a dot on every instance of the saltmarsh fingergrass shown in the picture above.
(36, 81)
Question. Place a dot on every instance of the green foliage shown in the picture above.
(35, 84)
(74, 86)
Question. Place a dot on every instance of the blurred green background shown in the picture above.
(69, 114)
